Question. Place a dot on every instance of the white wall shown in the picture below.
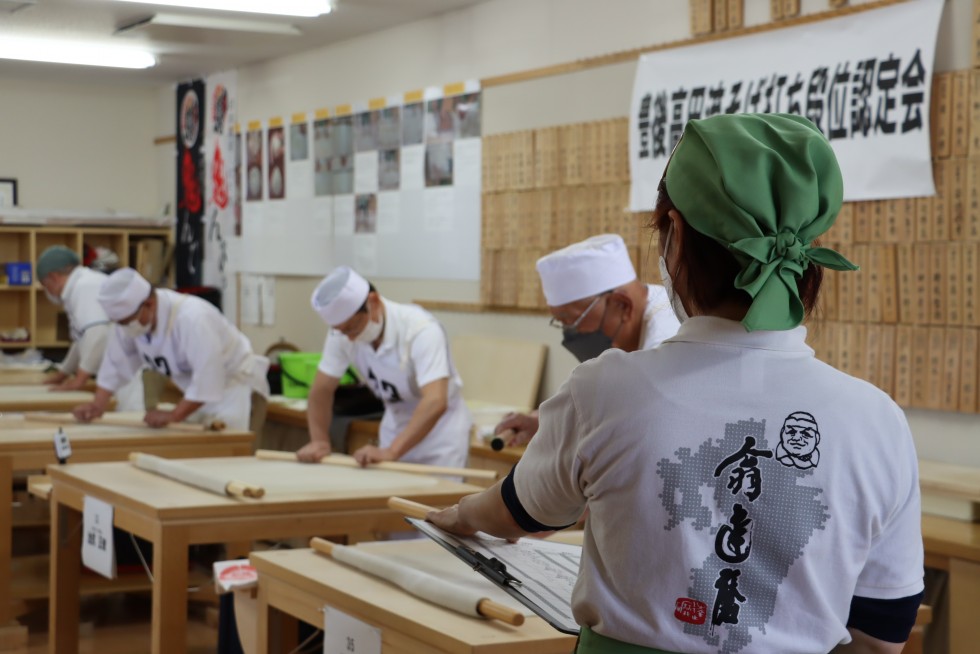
(503, 36)
(80, 147)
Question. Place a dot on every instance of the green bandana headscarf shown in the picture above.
(764, 186)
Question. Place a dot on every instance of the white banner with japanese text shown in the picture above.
(223, 197)
(864, 79)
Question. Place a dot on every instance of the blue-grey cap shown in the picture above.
(56, 257)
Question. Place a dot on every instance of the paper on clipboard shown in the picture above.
(546, 571)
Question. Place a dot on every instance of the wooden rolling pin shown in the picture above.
(122, 421)
(409, 508)
(418, 583)
(395, 466)
(193, 477)
(503, 439)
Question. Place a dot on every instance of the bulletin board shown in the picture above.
(390, 187)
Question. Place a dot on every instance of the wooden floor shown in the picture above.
(119, 624)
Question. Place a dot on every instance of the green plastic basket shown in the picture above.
(298, 371)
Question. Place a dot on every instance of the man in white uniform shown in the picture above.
(596, 299)
(403, 355)
(187, 339)
(76, 288)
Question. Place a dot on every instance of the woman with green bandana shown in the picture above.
(743, 496)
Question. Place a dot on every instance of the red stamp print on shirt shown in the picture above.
(690, 610)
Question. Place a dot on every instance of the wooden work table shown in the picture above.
(28, 376)
(287, 412)
(32, 397)
(954, 546)
(31, 377)
(291, 413)
(301, 500)
(297, 584)
(28, 446)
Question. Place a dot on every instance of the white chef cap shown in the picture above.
(595, 265)
(122, 293)
(339, 295)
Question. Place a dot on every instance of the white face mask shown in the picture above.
(370, 333)
(134, 328)
(54, 299)
(675, 302)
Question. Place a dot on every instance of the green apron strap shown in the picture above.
(589, 642)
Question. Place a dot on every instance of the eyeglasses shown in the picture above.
(554, 322)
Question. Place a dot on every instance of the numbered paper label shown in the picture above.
(343, 634)
(62, 446)
(98, 552)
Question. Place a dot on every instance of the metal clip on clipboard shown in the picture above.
(493, 568)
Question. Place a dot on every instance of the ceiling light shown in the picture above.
(212, 23)
(57, 51)
(307, 8)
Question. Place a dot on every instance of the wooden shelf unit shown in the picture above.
(27, 306)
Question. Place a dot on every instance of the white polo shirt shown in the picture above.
(740, 492)
(659, 321)
(414, 351)
(87, 321)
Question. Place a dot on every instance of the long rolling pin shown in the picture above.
(502, 440)
(121, 421)
(409, 508)
(190, 476)
(420, 584)
(395, 466)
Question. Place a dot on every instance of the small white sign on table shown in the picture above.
(98, 550)
(343, 634)
(62, 446)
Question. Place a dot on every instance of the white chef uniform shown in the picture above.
(598, 264)
(198, 349)
(89, 328)
(414, 352)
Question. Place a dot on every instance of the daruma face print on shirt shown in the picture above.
(798, 440)
(769, 516)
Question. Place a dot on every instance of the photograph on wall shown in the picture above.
(390, 128)
(366, 131)
(468, 116)
(342, 159)
(366, 214)
(237, 196)
(389, 171)
(342, 174)
(253, 173)
(322, 153)
(439, 164)
(299, 142)
(277, 163)
(413, 123)
(441, 121)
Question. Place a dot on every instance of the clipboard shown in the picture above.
(515, 571)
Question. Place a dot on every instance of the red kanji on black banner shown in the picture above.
(190, 183)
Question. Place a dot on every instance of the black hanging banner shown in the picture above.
(190, 183)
